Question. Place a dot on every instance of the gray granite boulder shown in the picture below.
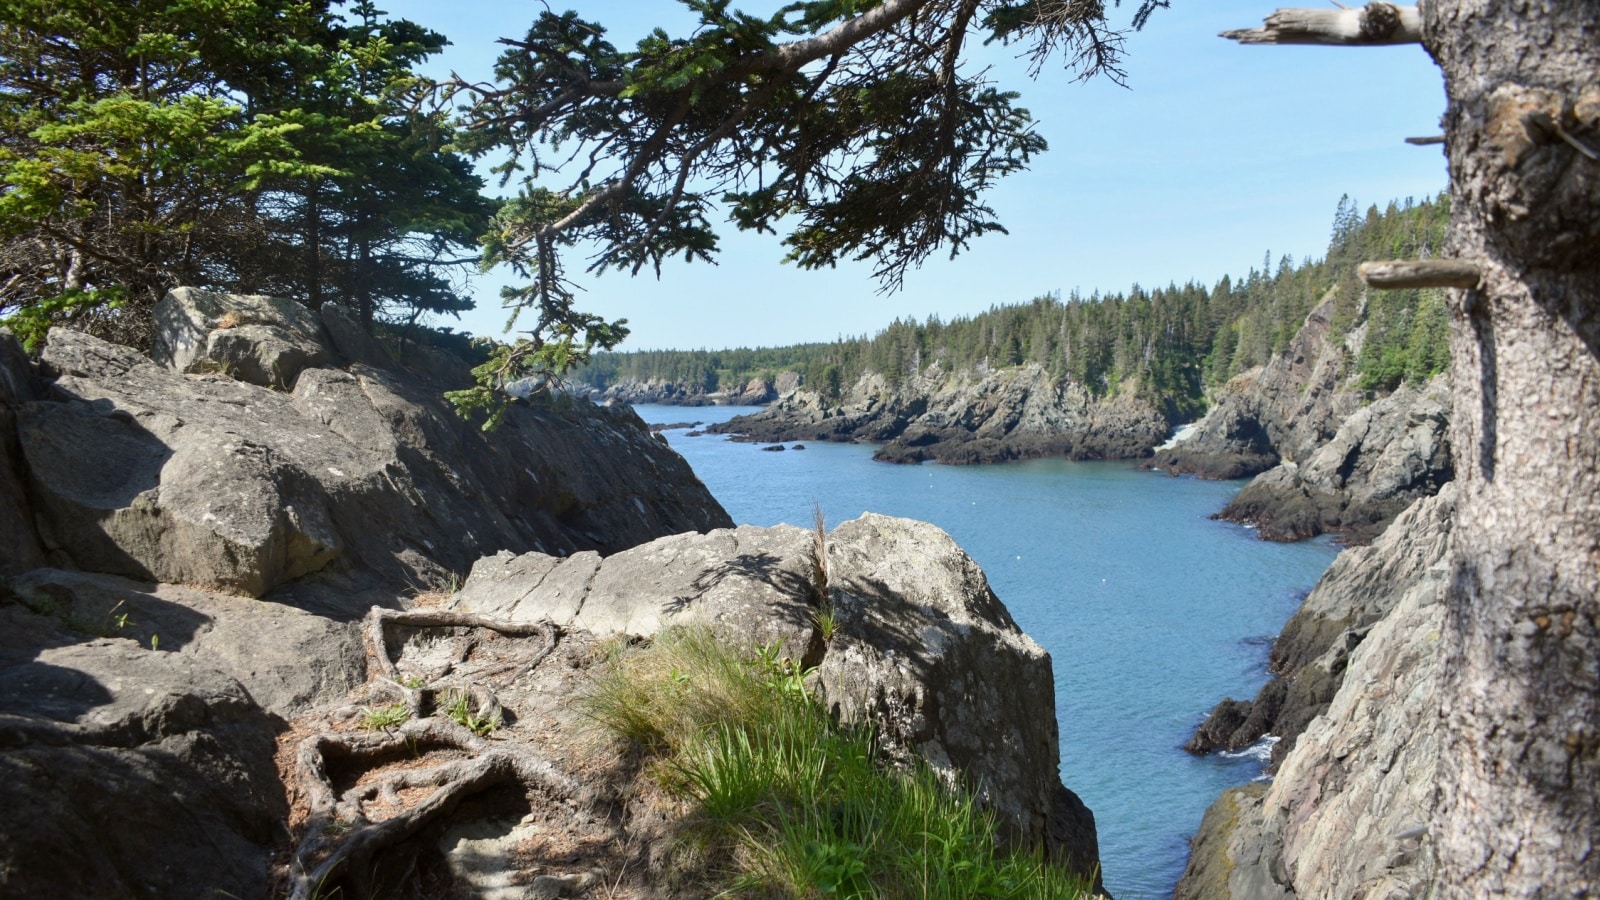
(288, 660)
(919, 645)
(202, 479)
(265, 341)
(130, 772)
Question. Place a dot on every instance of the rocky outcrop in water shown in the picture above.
(1346, 814)
(190, 551)
(1324, 458)
(965, 418)
(1383, 457)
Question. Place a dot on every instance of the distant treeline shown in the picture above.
(1167, 344)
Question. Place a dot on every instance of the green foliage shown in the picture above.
(382, 718)
(458, 708)
(800, 805)
(851, 125)
(263, 146)
(1168, 345)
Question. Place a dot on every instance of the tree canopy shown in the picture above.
(852, 125)
(1167, 344)
(250, 145)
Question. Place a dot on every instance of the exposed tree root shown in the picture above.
(379, 619)
(340, 839)
(484, 704)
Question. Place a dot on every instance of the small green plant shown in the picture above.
(383, 718)
(415, 682)
(155, 642)
(109, 625)
(459, 709)
(797, 802)
(827, 622)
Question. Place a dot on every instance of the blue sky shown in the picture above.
(1214, 155)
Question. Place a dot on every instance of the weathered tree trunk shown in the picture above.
(1520, 804)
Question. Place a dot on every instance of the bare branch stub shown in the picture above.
(1402, 274)
(1376, 24)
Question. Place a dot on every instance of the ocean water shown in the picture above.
(1151, 611)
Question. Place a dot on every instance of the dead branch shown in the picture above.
(1377, 23)
(1400, 274)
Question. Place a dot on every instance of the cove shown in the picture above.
(1151, 611)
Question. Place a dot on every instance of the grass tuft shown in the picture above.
(798, 805)
(383, 718)
(458, 707)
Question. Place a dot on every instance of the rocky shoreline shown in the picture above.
(1351, 701)
(963, 418)
(754, 392)
(1323, 457)
(1355, 703)
(219, 566)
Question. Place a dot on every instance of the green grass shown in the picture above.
(796, 805)
(458, 707)
(381, 718)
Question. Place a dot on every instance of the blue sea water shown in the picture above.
(1151, 611)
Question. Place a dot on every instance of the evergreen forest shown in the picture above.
(1169, 344)
(293, 149)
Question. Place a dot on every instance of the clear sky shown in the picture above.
(1214, 155)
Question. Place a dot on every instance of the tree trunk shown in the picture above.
(1520, 802)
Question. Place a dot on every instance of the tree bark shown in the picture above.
(1520, 799)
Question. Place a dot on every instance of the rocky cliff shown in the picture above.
(1324, 457)
(1355, 706)
(217, 564)
(1285, 409)
(965, 417)
(753, 392)
(1383, 457)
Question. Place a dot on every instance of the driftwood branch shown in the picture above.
(1400, 274)
(1377, 23)
(1425, 141)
